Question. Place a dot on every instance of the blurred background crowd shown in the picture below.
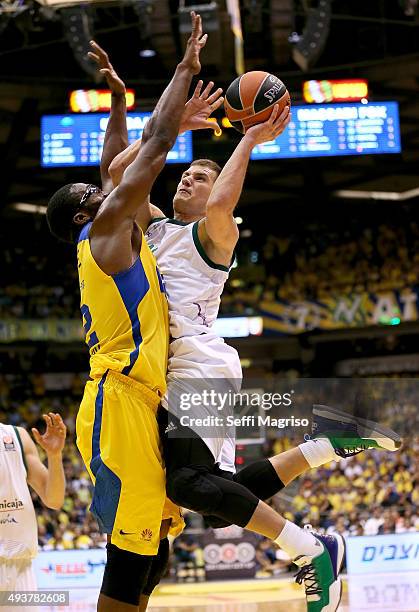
(368, 494)
(312, 264)
(322, 262)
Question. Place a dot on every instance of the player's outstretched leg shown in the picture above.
(336, 435)
(350, 435)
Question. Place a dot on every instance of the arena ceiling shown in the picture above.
(377, 40)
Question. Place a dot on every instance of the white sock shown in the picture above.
(296, 541)
(319, 451)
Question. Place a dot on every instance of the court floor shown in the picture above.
(372, 593)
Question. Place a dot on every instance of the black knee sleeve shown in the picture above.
(260, 478)
(210, 494)
(125, 575)
(158, 567)
(215, 522)
(190, 488)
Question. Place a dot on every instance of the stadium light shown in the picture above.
(395, 196)
(66, 3)
(409, 7)
(30, 208)
(144, 10)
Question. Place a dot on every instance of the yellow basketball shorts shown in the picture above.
(118, 438)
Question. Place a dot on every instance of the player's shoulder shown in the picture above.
(24, 436)
(164, 227)
(155, 220)
(27, 444)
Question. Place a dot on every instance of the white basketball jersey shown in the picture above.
(18, 526)
(194, 285)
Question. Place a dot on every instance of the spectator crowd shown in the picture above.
(313, 263)
(370, 493)
(320, 264)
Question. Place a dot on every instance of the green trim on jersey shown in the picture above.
(201, 250)
(155, 219)
(176, 222)
(21, 448)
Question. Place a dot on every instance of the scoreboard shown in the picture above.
(77, 140)
(336, 129)
(315, 131)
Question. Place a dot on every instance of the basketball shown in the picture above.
(250, 98)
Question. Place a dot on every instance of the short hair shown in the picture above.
(60, 212)
(212, 165)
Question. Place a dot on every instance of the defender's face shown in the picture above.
(90, 196)
(194, 190)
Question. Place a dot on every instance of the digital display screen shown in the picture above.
(336, 129)
(77, 140)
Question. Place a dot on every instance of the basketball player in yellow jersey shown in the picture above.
(125, 318)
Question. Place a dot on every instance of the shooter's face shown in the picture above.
(194, 190)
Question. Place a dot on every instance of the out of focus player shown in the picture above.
(20, 466)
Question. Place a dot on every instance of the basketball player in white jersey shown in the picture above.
(20, 466)
(194, 251)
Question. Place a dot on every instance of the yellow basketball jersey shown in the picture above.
(125, 317)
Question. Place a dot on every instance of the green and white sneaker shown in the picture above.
(350, 435)
(320, 574)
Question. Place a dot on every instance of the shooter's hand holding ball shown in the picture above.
(270, 129)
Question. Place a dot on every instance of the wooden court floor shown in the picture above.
(244, 596)
(390, 592)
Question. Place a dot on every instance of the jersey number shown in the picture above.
(87, 325)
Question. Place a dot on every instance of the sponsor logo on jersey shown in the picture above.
(9, 519)
(146, 535)
(200, 314)
(171, 427)
(7, 505)
(122, 532)
(9, 444)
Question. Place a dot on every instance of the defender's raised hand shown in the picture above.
(194, 45)
(99, 55)
(199, 108)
